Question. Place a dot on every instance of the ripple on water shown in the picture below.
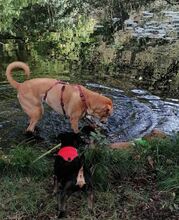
(134, 116)
(131, 118)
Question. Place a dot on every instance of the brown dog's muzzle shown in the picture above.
(105, 116)
(103, 120)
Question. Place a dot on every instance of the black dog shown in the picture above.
(70, 173)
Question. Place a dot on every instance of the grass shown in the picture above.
(20, 160)
(165, 156)
(24, 195)
(24, 184)
(141, 183)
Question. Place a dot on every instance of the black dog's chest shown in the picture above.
(67, 172)
(66, 169)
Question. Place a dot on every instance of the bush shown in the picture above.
(158, 156)
(106, 164)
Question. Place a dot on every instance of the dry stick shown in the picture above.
(43, 155)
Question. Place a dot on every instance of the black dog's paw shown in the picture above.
(33, 135)
(62, 214)
(29, 134)
(54, 193)
(91, 211)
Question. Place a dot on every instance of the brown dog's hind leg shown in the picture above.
(34, 115)
(33, 108)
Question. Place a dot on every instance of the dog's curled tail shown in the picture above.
(16, 65)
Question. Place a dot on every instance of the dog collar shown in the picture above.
(68, 153)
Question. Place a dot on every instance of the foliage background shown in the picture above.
(86, 38)
(81, 38)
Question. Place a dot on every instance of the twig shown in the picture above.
(43, 155)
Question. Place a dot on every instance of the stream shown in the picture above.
(136, 113)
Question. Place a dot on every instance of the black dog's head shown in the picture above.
(69, 139)
(77, 140)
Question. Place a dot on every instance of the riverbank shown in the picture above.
(141, 183)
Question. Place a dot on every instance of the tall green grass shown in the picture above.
(26, 186)
(20, 160)
(108, 165)
(165, 156)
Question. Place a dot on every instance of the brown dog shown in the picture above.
(75, 101)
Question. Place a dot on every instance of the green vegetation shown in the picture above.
(40, 31)
(69, 39)
(128, 183)
(19, 159)
(83, 38)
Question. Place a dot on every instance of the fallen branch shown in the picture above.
(43, 155)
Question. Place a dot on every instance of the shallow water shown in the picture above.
(135, 114)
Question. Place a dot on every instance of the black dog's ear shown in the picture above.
(60, 136)
(68, 139)
(82, 158)
(87, 129)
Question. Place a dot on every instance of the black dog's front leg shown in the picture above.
(61, 204)
(90, 200)
(61, 199)
(55, 185)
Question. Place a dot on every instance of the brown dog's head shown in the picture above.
(103, 109)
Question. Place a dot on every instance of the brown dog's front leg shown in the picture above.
(74, 124)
